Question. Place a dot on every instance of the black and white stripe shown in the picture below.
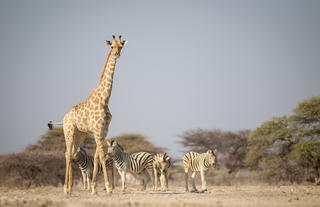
(85, 164)
(161, 164)
(138, 163)
(197, 162)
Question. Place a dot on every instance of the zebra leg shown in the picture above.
(88, 181)
(112, 178)
(144, 180)
(162, 181)
(84, 179)
(203, 181)
(186, 172)
(166, 181)
(155, 173)
(193, 175)
(149, 172)
(123, 179)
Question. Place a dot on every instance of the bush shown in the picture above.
(231, 146)
(36, 168)
(288, 149)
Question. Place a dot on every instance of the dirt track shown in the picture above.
(220, 196)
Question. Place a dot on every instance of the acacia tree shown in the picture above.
(288, 148)
(231, 146)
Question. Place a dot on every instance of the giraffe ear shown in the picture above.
(124, 42)
(109, 42)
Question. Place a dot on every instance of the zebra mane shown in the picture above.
(120, 146)
(112, 143)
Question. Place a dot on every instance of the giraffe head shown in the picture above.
(116, 45)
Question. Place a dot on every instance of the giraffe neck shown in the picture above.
(104, 88)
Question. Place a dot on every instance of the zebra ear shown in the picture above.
(215, 152)
(168, 158)
(114, 143)
(165, 154)
(109, 144)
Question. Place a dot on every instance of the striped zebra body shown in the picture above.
(161, 164)
(85, 164)
(197, 162)
(138, 163)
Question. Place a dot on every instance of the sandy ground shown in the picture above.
(220, 196)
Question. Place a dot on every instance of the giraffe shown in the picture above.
(92, 117)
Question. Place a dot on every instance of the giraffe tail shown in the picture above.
(51, 124)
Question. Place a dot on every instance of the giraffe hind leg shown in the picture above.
(70, 136)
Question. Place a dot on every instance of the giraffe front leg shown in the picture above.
(203, 180)
(104, 169)
(95, 171)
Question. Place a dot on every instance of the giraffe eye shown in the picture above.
(111, 47)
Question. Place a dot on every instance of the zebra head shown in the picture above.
(114, 148)
(211, 157)
(81, 152)
(164, 162)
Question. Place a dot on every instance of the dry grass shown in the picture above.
(220, 196)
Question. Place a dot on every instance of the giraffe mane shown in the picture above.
(104, 70)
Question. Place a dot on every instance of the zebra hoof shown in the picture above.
(194, 191)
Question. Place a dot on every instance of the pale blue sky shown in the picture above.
(188, 64)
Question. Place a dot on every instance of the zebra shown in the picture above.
(161, 164)
(138, 163)
(85, 164)
(198, 162)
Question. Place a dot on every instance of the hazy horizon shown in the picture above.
(188, 64)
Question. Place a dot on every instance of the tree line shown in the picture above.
(285, 148)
